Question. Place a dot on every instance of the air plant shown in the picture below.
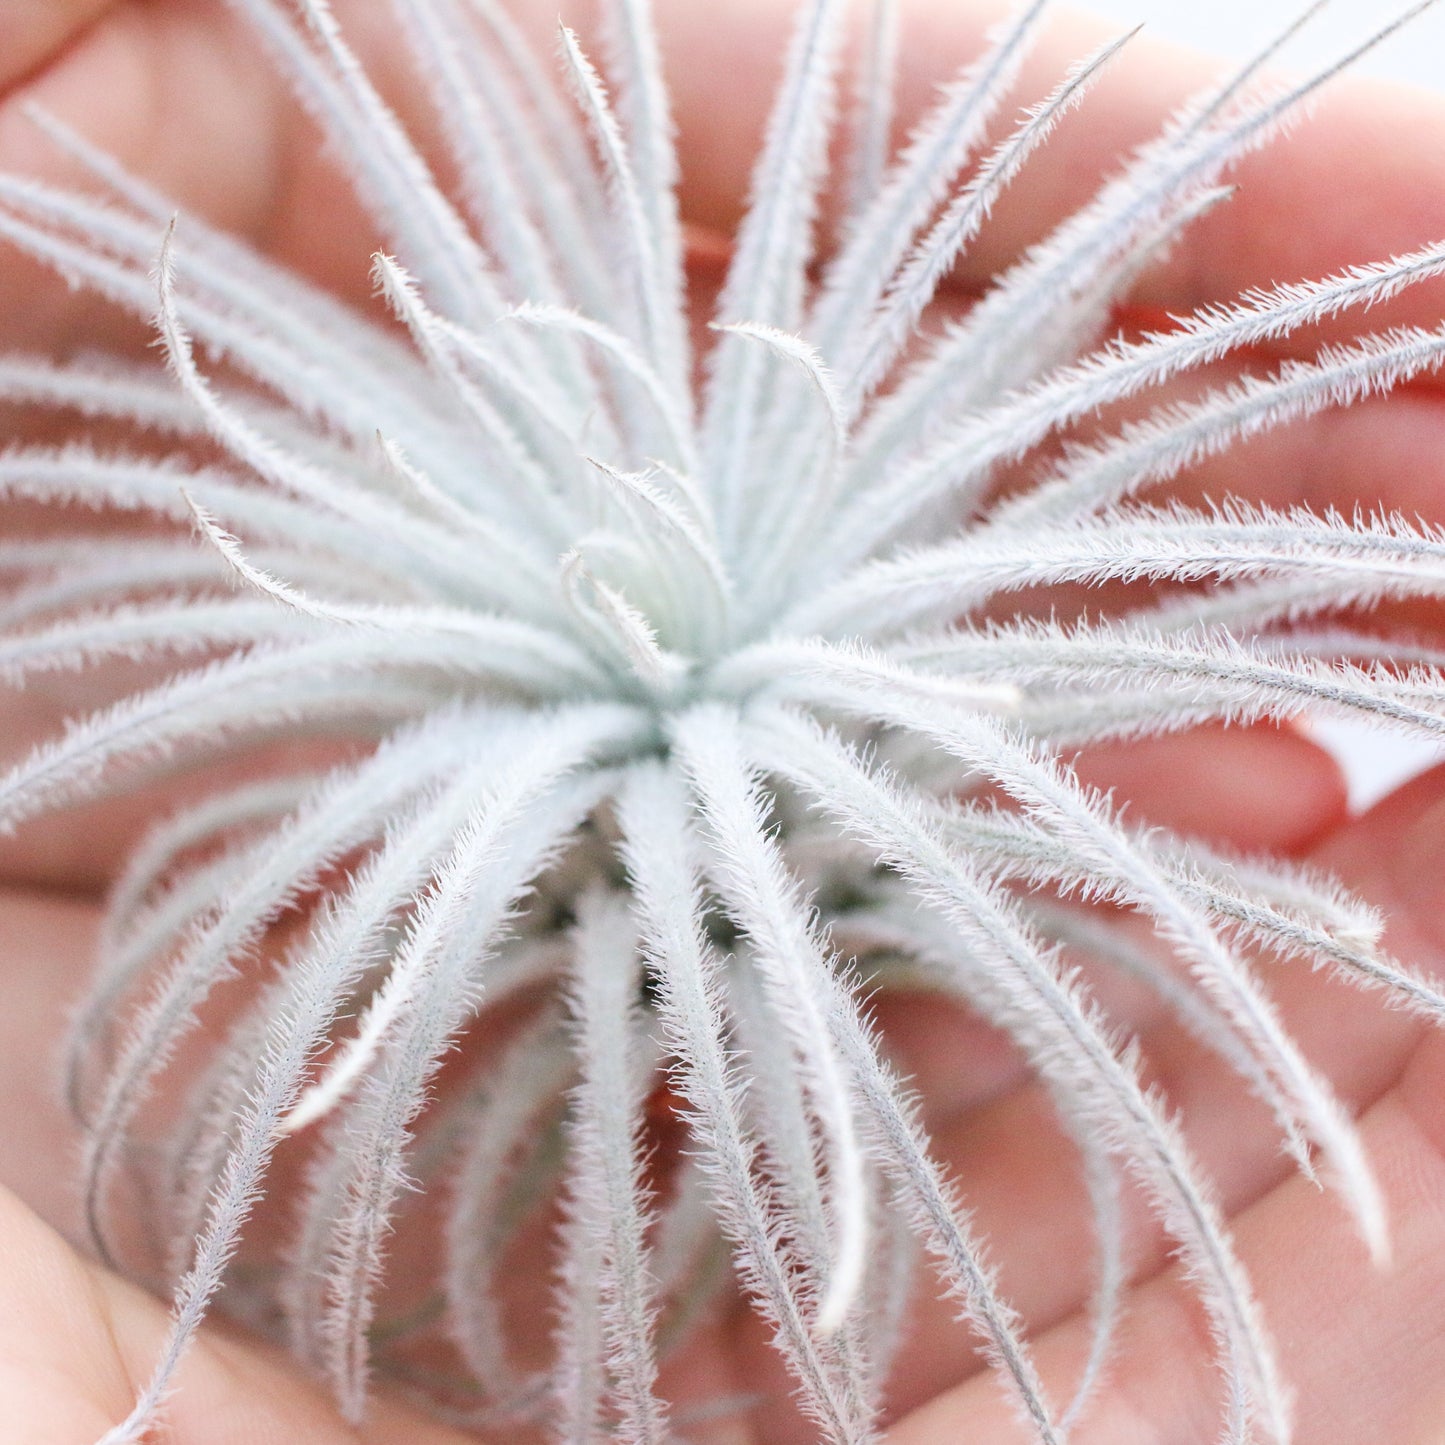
(673, 722)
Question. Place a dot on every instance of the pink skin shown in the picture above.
(168, 86)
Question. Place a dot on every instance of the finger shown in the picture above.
(1262, 789)
(1380, 453)
(724, 69)
(1362, 1347)
(221, 137)
(1257, 789)
(1254, 790)
(180, 94)
(81, 848)
(1012, 1159)
(48, 949)
(31, 31)
(76, 1342)
(48, 956)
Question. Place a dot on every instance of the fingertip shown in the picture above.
(1256, 789)
(1410, 862)
(1394, 855)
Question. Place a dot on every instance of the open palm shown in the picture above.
(170, 86)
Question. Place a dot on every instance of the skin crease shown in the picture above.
(169, 87)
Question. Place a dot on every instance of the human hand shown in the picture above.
(1256, 788)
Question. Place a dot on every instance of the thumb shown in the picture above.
(76, 1343)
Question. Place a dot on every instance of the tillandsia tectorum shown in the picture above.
(655, 731)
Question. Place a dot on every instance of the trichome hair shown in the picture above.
(660, 712)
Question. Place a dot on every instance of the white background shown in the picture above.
(1239, 27)
(1374, 761)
